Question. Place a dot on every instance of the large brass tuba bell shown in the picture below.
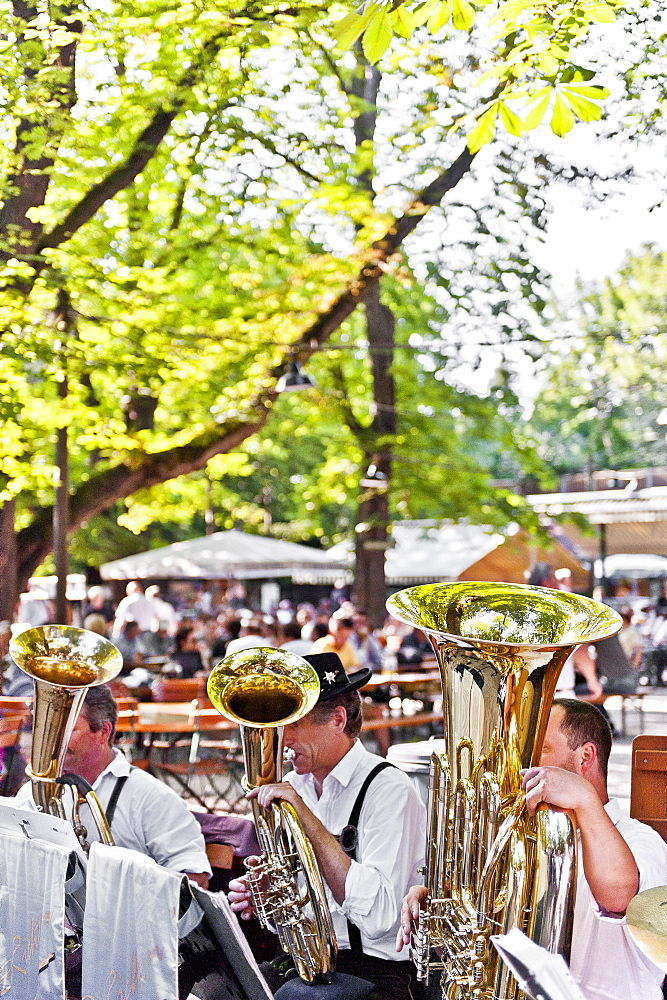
(489, 866)
(64, 662)
(263, 689)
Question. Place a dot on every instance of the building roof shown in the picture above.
(432, 552)
(634, 519)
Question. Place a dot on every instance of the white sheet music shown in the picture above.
(32, 912)
(39, 826)
(225, 925)
(130, 929)
(541, 974)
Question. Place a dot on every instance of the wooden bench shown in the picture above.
(633, 700)
(399, 721)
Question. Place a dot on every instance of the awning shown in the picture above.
(223, 555)
(632, 521)
(427, 551)
(631, 566)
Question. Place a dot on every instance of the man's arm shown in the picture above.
(412, 904)
(152, 818)
(391, 839)
(585, 665)
(609, 865)
(201, 878)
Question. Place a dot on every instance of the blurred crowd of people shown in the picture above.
(151, 631)
(150, 628)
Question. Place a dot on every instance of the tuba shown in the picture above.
(489, 865)
(264, 689)
(63, 662)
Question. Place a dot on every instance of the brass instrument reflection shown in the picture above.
(64, 662)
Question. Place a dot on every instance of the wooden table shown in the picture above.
(405, 680)
(423, 685)
(161, 731)
(401, 721)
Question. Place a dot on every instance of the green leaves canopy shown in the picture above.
(603, 405)
(533, 48)
(189, 197)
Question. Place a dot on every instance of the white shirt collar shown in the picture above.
(341, 773)
(118, 767)
(613, 810)
(347, 765)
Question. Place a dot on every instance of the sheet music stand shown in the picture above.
(217, 963)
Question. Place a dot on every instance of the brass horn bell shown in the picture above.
(489, 866)
(263, 689)
(64, 662)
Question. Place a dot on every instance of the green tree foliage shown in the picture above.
(185, 175)
(531, 63)
(300, 474)
(603, 405)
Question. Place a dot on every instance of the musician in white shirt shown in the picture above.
(618, 857)
(149, 816)
(330, 767)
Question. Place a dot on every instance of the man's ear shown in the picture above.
(339, 718)
(106, 730)
(589, 756)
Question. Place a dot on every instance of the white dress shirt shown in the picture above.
(134, 607)
(390, 845)
(149, 817)
(246, 642)
(604, 961)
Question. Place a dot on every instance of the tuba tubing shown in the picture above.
(263, 689)
(490, 866)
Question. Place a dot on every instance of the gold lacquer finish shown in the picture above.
(490, 866)
(64, 662)
(264, 689)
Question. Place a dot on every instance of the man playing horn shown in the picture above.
(330, 767)
(618, 856)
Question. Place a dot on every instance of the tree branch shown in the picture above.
(355, 427)
(145, 148)
(100, 491)
(28, 182)
(380, 252)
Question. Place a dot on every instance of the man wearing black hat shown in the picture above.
(367, 866)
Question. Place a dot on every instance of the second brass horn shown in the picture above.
(64, 663)
(489, 865)
(263, 689)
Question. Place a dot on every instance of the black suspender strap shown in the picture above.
(349, 839)
(117, 789)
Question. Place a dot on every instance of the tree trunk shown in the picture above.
(9, 589)
(372, 529)
(371, 542)
(372, 535)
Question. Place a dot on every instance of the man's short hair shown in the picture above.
(291, 630)
(351, 702)
(100, 706)
(585, 723)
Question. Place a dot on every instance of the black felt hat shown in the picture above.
(333, 679)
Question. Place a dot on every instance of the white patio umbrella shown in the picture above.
(223, 555)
